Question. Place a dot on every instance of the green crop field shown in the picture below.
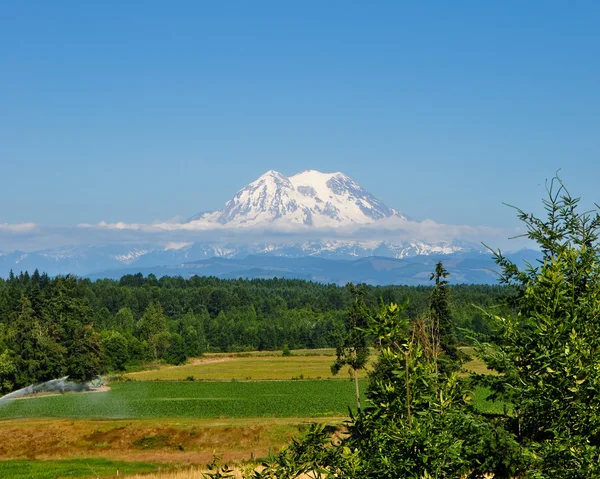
(171, 399)
(25, 469)
(227, 386)
(143, 399)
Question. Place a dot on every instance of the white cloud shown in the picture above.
(154, 227)
(385, 229)
(175, 234)
(18, 228)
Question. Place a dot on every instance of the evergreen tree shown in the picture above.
(39, 357)
(84, 360)
(69, 313)
(442, 323)
(176, 353)
(353, 349)
(8, 369)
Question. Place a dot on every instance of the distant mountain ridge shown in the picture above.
(84, 260)
(375, 270)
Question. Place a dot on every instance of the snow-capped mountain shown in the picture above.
(326, 208)
(310, 198)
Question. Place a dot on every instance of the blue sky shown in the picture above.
(142, 111)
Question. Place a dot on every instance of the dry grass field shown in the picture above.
(475, 365)
(198, 473)
(266, 365)
(244, 368)
(238, 471)
(153, 441)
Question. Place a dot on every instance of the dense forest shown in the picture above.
(51, 327)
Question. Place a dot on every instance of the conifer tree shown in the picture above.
(353, 350)
(443, 325)
(39, 357)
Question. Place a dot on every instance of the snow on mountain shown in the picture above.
(398, 249)
(131, 256)
(310, 198)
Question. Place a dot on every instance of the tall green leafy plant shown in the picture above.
(420, 423)
(548, 352)
(417, 425)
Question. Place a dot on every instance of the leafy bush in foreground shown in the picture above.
(419, 423)
(549, 351)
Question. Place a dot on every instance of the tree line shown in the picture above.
(52, 327)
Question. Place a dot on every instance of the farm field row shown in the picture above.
(164, 440)
(138, 426)
(266, 365)
(245, 368)
(166, 399)
(216, 400)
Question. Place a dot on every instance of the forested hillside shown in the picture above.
(51, 327)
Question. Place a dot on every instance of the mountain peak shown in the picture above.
(272, 178)
(271, 174)
(309, 198)
(319, 173)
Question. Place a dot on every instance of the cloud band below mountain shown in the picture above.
(172, 235)
(384, 229)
